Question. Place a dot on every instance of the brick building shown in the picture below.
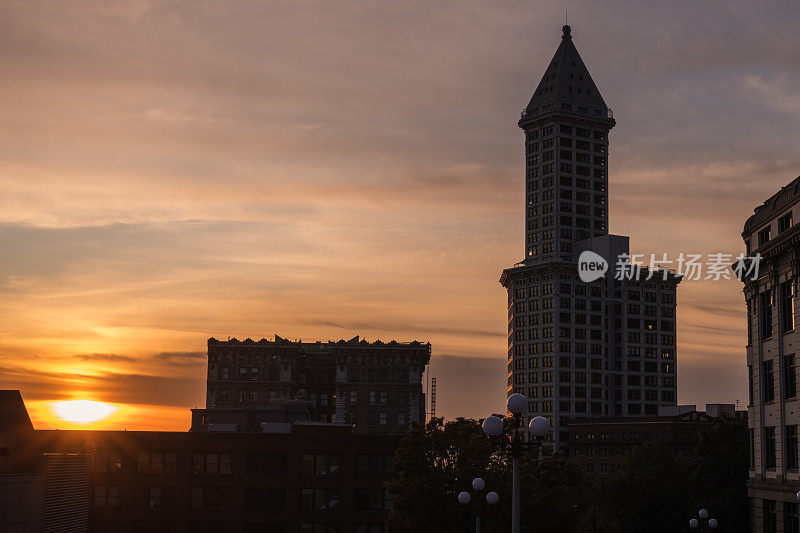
(600, 445)
(376, 386)
(306, 477)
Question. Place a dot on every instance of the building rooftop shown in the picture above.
(566, 80)
(355, 341)
(788, 194)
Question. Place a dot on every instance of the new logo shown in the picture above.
(591, 266)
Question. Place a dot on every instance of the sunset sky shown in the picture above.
(172, 171)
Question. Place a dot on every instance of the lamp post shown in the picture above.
(511, 439)
(710, 523)
(478, 484)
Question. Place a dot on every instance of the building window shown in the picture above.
(791, 517)
(750, 384)
(321, 465)
(790, 458)
(769, 447)
(752, 448)
(382, 419)
(107, 462)
(319, 499)
(401, 419)
(374, 464)
(353, 397)
(787, 306)
(153, 497)
(210, 497)
(370, 528)
(265, 498)
(156, 463)
(259, 464)
(770, 516)
(106, 496)
(318, 527)
(211, 463)
(790, 375)
(768, 380)
(369, 499)
(785, 222)
(763, 236)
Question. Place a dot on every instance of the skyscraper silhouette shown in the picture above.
(575, 349)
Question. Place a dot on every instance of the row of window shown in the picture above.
(535, 348)
(565, 155)
(211, 526)
(253, 372)
(567, 142)
(548, 209)
(784, 294)
(521, 363)
(633, 380)
(768, 381)
(650, 395)
(260, 498)
(769, 449)
(546, 406)
(532, 186)
(784, 223)
(257, 463)
(567, 129)
(769, 516)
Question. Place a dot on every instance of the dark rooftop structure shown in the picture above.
(375, 386)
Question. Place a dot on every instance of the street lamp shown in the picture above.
(478, 484)
(694, 523)
(511, 439)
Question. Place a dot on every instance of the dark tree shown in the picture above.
(438, 461)
(433, 464)
(719, 474)
(652, 493)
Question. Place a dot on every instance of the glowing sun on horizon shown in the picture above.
(83, 411)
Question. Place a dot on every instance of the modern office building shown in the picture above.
(575, 349)
(376, 386)
(772, 355)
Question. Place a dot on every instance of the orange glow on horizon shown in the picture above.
(83, 411)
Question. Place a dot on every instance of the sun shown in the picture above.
(83, 411)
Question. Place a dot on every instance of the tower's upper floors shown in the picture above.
(566, 125)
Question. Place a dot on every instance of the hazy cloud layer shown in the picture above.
(172, 171)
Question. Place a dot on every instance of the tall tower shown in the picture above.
(581, 349)
(566, 126)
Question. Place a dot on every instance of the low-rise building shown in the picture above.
(306, 477)
(600, 445)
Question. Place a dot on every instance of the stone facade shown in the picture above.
(772, 341)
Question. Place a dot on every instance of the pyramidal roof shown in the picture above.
(566, 79)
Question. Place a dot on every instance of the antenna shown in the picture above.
(433, 398)
(566, 17)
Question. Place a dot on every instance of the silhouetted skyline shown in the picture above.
(174, 172)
